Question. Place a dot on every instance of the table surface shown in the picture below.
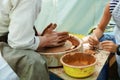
(101, 59)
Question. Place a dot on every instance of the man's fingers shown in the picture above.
(60, 43)
(52, 27)
(49, 28)
(45, 30)
(64, 37)
(63, 33)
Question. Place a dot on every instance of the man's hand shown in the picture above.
(54, 39)
(51, 38)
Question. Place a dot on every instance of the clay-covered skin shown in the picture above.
(70, 44)
(51, 38)
(47, 29)
(78, 59)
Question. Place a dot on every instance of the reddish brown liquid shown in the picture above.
(79, 59)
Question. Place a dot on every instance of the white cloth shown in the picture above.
(6, 73)
(18, 17)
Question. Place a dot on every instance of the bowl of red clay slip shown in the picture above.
(53, 55)
(78, 65)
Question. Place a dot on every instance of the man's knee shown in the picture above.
(35, 64)
(37, 59)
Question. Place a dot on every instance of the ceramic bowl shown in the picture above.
(53, 55)
(78, 65)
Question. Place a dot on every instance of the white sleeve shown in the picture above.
(22, 17)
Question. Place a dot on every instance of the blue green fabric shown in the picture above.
(76, 16)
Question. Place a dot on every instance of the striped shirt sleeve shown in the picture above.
(113, 3)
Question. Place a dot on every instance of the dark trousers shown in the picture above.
(108, 72)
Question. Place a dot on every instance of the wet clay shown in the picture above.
(70, 44)
(78, 59)
(89, 51)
